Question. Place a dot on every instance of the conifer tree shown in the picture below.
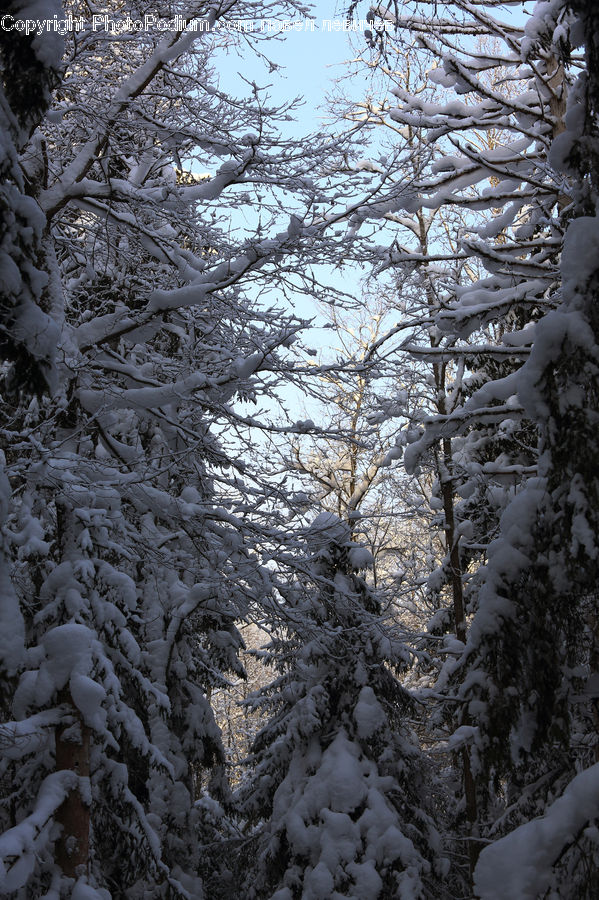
(337, 795)
(537, 621)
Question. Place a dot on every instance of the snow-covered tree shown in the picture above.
(520, 426)
(337, 795)
(130, 534)
(537, 619)
(29, 67)
(494, 104)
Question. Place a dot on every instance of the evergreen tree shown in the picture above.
(537, 621)
(337, 795)
(29, 69)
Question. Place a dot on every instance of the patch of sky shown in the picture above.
(300, 64)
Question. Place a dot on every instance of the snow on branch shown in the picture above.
(20, 846)
(521, 864)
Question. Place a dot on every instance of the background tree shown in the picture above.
(335, 792)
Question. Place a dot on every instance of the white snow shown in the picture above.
(368, 713)
(20, 845)
(360, 558)
(520, 864)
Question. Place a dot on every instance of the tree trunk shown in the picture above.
(72, 754)
(453, 551)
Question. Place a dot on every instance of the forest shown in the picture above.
(299, 452)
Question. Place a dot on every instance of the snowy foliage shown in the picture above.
(336, 789)
(130, 535)
(153, 230)
(28, 71)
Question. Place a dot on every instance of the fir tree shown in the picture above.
(337, 791)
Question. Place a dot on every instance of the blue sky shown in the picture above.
(309, 64)
(311, 61)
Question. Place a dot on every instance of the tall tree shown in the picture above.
(131, 532)
(543, 607)
(494, 278)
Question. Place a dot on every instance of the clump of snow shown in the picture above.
(360, 558)
(580, 260)
(368, 713)
(49, 45)
(328, 528)
(84, 891)
(68, 650)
